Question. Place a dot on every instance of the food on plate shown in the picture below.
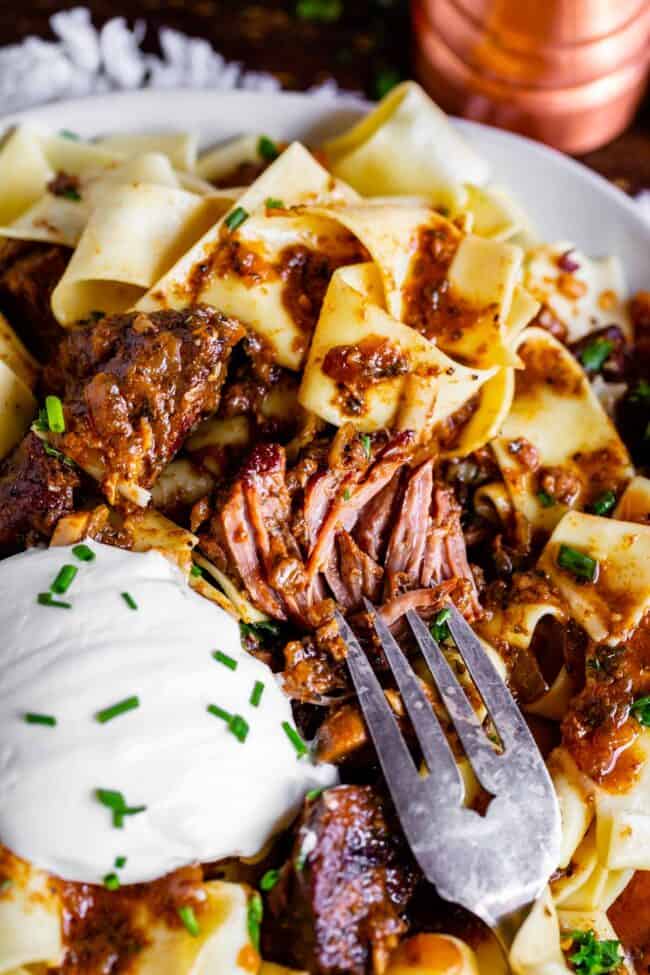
(244, 389)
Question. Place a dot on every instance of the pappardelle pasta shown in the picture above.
(244, 388)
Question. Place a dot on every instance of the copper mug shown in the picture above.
(568, 72)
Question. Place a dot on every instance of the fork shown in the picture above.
(496, 864)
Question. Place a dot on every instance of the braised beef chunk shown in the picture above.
(348, 522)
(29, 273)
(36, 489)
(135, 385)
(339, 905)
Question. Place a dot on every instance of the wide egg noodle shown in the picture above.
(30, 924)
(180, 148)
(623, 818)
(224, 159)
(407, 145)
(14, 355)
(589, 885)
(350, 314)
(553, 395)
(612, 606)
(497, 215)
(583, 300)
(483, 274)
(294, 178)
(634, 504)
(17, 409)
(133, 236)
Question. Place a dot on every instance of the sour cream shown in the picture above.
(207, 794)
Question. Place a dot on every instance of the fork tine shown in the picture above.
(505, 714)
(435, 747)
(482, 756)
(396, 761)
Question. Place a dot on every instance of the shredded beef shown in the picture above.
(339, 905)
(135, 385)
(29, 273)
(36, 489)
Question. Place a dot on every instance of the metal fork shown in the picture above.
(493, 865)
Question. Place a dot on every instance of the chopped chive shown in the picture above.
(121, 707)
(64, 579)
(120, 862)
(116, 802)
(188, 917)
(641, 392)
(223, 658)
(6, 883)
(272, 204)
(604, 503)
(236, 218)
(314, 794)
(641, 710)
(545, 499)
(255, 914)
(70, 194)
(69, 134)
(269, 880)
(111, 881)
(129, 600)
(267, 149)
(346, 494)
(319, 11)
(83, 553)
(439, 629)
(239, 727)
(54, 410)
(31, 717)
(579, 564)
(219, 712)
(196, 571)
(366, 443)
(295, 739)
(256, 693)
(45, 599)
(594, 355)
(385, 81)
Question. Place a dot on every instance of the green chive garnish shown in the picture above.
(32, 717)
(314, 794)
(641, 392)
(116, 802)
(112, 881)
(272, 204)
(319, 11)
(120, 862)
(236, 218)
(45, 599)
(64, 579)
(256, 693)
(269, 880)
(128, 704)
(594, 355)
(604, 503)
(366, 443)
(439, 629)
(83, 553)
(237, 725)
(188, 917)
(577, 563)
(69, 134)
(219, 712)
(54, 410)
(641, 710)
(545, 499)
(196, 571)
(71, 194)
(255, 914)
(346, 494)
(295, 739)
(129, 600)
(6, 883)
(267, 148)
(224, 659)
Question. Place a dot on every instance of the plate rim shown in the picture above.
(334, 101)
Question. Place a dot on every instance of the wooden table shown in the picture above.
(364, 50)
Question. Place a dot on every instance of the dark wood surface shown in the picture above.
(365, 49)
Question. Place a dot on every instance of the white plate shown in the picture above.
(566, 200)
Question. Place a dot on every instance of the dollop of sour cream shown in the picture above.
(206, 793)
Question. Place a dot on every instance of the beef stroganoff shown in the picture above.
(243, 389)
